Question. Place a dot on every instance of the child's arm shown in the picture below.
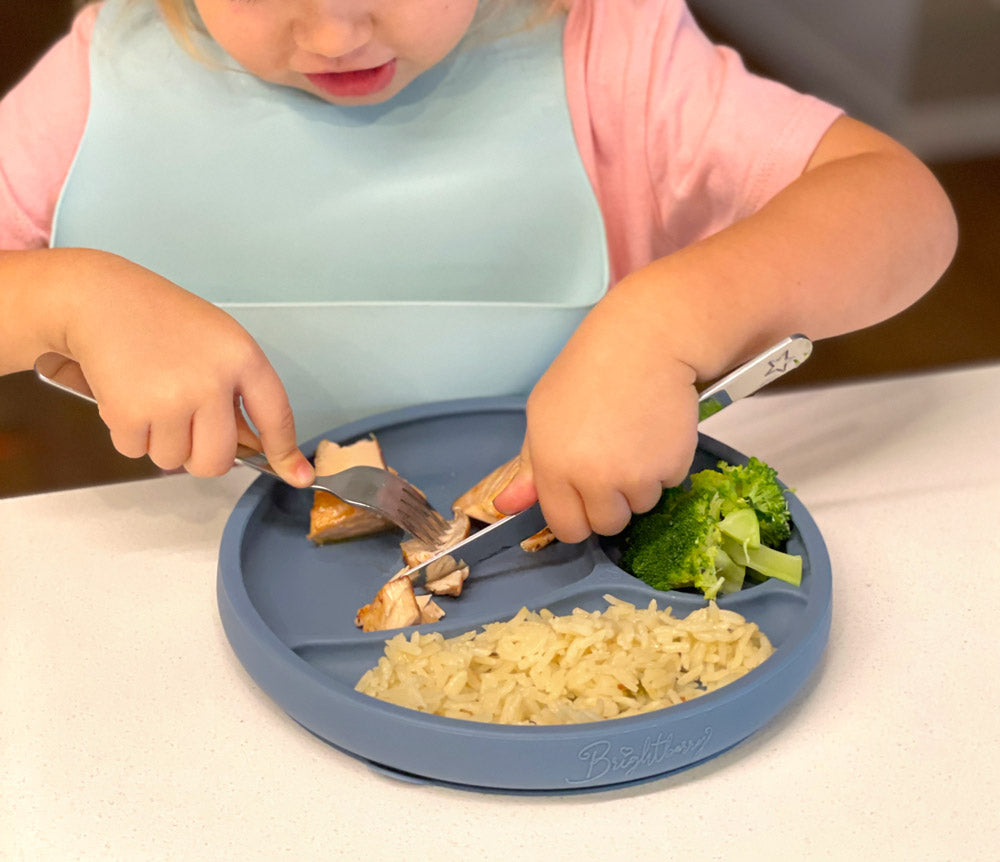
(862, 234)
(168, 369)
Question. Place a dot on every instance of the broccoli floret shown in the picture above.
(674, 545)
(757, 484)
(705, 534)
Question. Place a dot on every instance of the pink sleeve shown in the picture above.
(41, 123)
(679, 139)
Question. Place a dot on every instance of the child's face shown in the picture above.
(348, 52)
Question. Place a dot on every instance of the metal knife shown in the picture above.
(481, 545)
(764, 368)
(512, 530)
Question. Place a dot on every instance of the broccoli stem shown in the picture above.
(767, 561)
(732, 573)
(743, 526)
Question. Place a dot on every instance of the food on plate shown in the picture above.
(331, 519)
(477, 503)
(416, 552)
(712, 531)
(475, 507)
(540, 668)
(396, 606)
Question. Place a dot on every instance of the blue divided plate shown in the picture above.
(288, 610)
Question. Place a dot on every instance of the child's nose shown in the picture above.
(328, 30)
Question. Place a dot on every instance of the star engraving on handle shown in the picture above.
(774, 368)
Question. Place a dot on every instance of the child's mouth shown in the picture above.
(360, 82)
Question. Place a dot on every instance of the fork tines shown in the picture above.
(418, 517)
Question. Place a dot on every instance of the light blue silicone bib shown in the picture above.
(442, 245)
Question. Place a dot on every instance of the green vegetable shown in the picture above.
(675, 545)
(754, 484)
(766, 561)
(707, 533)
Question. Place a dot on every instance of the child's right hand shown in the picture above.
(610, 424)
(170, 371)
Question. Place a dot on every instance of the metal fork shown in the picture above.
(371, 488)
(380, 491)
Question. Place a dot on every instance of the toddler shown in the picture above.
(301, 212)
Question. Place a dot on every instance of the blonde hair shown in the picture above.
(182, 19)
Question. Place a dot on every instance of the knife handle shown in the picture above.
(764, 368)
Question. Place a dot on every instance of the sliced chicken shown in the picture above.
(477, 503)
(416, 552)
(538, 541)
(331, 519)
(396, 606)
(430, 610)
(450, 584)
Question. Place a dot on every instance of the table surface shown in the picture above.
(129, 730)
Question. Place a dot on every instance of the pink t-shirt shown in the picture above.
(678, 139)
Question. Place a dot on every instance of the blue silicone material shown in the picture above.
(288, 610)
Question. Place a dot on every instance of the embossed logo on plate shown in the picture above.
(603, 758)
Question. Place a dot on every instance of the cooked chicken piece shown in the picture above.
(394, 606)
(416, 552)
(450, 584)
(331, 519)
(446, 581)
(430, 610)
(538, 541)
(477, 503)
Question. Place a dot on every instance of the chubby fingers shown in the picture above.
(570, 515)
(245, 435)
(266, 403)
(573, 513)
(163, 436)
(520, 491)
(213, 439)
(202, 442)
(575, 506)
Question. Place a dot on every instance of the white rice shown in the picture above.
(539, 668)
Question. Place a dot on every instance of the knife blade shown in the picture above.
(480, 546)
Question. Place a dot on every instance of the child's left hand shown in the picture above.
(610, 424)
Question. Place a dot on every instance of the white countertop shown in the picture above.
(129, 730)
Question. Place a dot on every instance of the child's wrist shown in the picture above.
(38, 301)
(682, 317)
